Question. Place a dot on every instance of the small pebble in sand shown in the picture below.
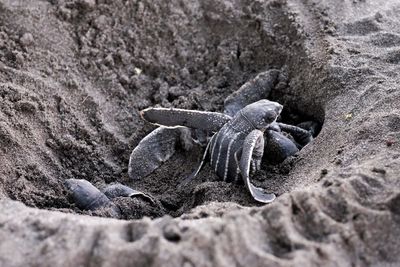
(26, 106)
(327, 183)
(390, 142)
(26, 39)
(378, 170)
(100, 22)
(85, 62)
(184, 73)
(19, 58)
(124, 79)
(51, 143)
(88, 3)
(172, 233)
(65, 13)
(138, 71)
(378, 17)
(348, 116)
(125, 57)
(109, 60)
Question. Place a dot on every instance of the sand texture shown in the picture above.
(74, 75)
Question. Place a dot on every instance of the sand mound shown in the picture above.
(74, 74)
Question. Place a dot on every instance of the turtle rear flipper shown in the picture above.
(189, 178)
(120, 190)
(155, 149)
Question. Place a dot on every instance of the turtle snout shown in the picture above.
(278, 109)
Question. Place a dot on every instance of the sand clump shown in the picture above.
(74, 74)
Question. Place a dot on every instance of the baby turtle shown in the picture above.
(237, 145)
(87, 197)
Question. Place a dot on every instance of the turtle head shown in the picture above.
(262, 113)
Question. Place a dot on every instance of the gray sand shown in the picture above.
(74, 74)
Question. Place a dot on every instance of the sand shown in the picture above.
(75, 74)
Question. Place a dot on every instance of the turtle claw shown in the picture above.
(120, 190)
(156, 148)
(87, 197)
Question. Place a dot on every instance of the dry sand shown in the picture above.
(74, 74)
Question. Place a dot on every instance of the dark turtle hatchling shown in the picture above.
(237, 147)
(238, 142)
(87, 197)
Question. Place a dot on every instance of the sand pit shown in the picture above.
(75, 74)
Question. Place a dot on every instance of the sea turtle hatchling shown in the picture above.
(237, 146)
(87, 197)
(240, 137)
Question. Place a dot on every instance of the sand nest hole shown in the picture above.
(173, 198)
(209, 58)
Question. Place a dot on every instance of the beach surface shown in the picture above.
(75, 74)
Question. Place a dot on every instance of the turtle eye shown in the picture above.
(270, 117)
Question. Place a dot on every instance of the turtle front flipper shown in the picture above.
(202, 120)
(249, 145)
(311, 126)
(156, 148)
(252, 91)
(120, 190)
(300, 135)
(87, 197)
